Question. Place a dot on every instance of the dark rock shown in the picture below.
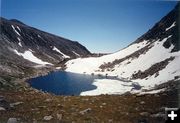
(85, 111)
(12, 120)
(4, 104)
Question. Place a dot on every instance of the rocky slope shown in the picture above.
(151, 60)
(24, 50)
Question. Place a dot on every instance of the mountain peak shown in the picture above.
(34, 46)
(17, 21)
(168, 25)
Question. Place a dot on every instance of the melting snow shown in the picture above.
(57, 68)
(153, 92)
(108, 86)
(29, 56)
(91, 64)
(57, 50)
(15, 30)
(18, 28)
(39, 36)
(167, 74)
(18, 39)
(19, 42)
(170, 26)
(154, 55)
(75, 53)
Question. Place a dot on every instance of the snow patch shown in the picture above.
(108, 86)
(152, 92)
(15, 30)
(18, 28)
(171, 26)
(75, 53)
(57, 50)
(39, 36)
(29, 56)
(19, 42)
(18, 39)
(57, 68)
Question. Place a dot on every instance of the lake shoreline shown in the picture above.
(61, 82)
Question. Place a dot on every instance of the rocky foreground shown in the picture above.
(25, 104)
(21, 103)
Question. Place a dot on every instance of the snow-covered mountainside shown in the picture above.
(151, 60)
(23, 47)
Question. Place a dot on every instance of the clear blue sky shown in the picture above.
(100, 25)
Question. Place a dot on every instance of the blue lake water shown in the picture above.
(67, 83)
(64, 83)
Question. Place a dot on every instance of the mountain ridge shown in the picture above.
(18, 22)
(159, 28)
(23, 48)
